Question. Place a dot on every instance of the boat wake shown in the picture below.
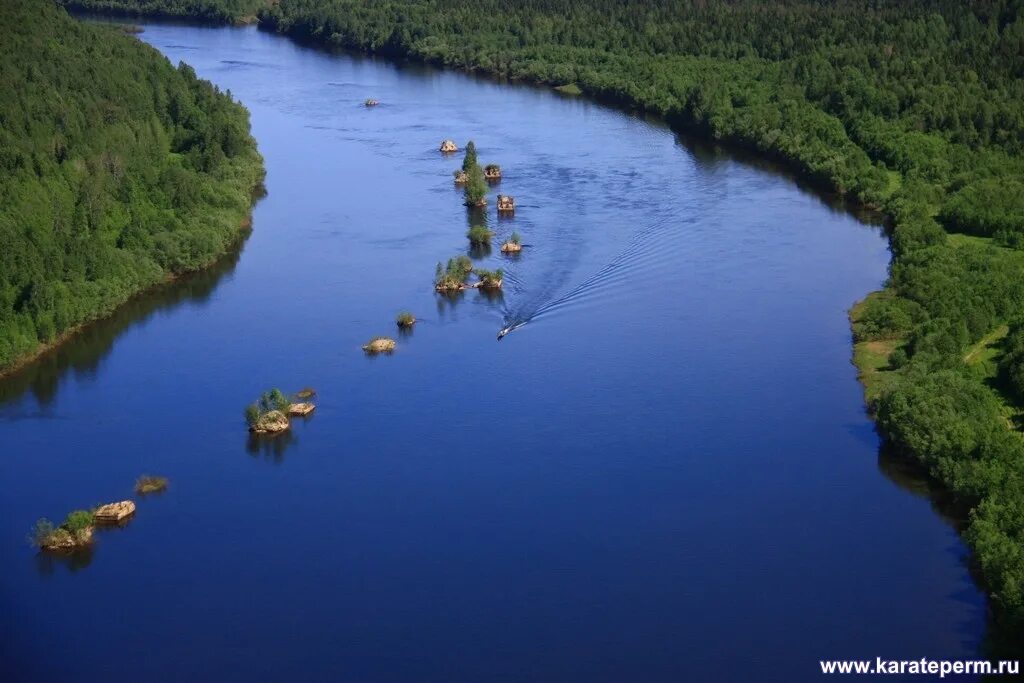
(646, 249)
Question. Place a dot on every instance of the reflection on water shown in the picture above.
(84, 352)
(271, 446)
(47, 563)
(913, 478)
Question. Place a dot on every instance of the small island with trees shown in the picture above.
(75, 532)
(269, 414)
(479, 235)
(513, 245)
(476, 183)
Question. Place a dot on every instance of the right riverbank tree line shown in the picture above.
(117, 171)
(912, 106)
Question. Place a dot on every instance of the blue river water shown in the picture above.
(666, 475)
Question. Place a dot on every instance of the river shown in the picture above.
(667, 475)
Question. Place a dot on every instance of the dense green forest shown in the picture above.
(915, 107)
(214, 11)
(117, 171)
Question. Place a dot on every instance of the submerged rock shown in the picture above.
(301, 409)
(147, 484)
(380, 345)
(271, 422)
(308, 392)
(114, 512)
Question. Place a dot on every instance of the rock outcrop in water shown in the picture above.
(461, 177)
(379, 345)
(301, 409)
(506, 203)
(492, 173)
(270, 422)
(449, 146)
(112, 513)
(62, 540)
(371, 102)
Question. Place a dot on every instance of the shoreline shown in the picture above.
(69, 335)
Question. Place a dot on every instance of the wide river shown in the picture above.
(667, 475)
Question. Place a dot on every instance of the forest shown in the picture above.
(117, 171)
(912, 107)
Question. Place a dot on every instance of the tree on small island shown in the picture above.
(453, 276)
(406, 319)
(478, 234)
(469, 161)
(515, 238)
(149, 484)
(268, 413)
(476, 187)
(473, 178)
(75, 531)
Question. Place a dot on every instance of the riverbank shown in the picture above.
(153, 177)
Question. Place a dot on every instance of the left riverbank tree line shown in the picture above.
(117, 171)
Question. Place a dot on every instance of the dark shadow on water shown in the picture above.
(1002, 639)
(709, 154)
(270, 446)
(492, 296)
(913, 478)
(47, 563)
(478, 250)
(447, 302)
(84, 352)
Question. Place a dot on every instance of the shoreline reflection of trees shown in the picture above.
(1002, 639)
(271, 446)
(47, 563)
(85, 351)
